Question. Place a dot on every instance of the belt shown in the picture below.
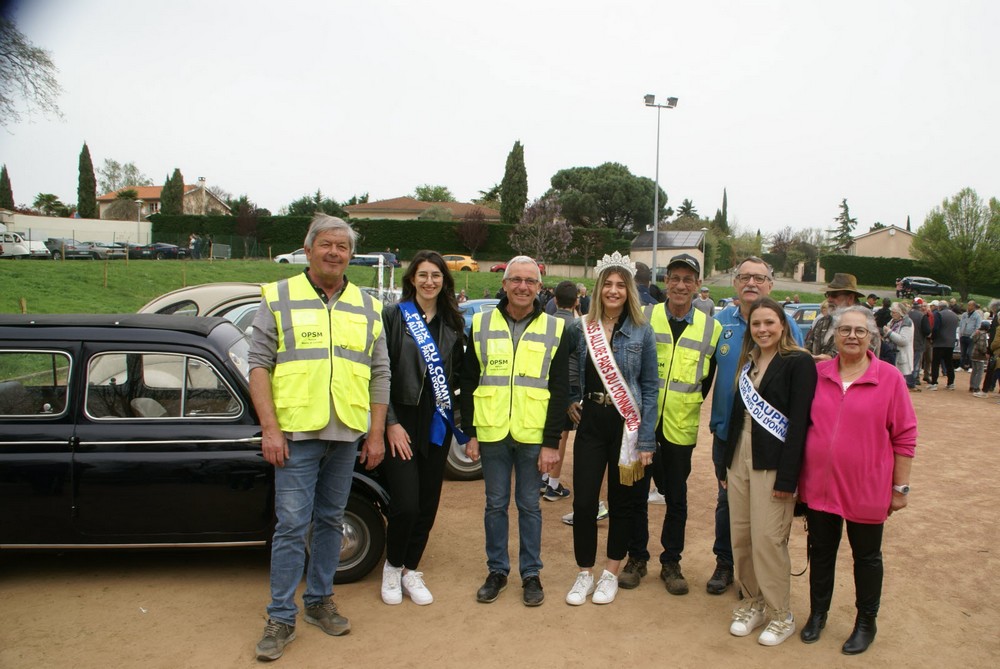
(600, 398)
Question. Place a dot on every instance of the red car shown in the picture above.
(501, 266)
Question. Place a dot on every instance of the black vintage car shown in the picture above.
(137, 430)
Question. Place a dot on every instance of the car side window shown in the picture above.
(33, 383)
(157, 386)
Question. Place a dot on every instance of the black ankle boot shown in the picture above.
(862, 636)
(814, 625)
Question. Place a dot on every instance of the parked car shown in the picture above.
(804, 314)
(111, 251)
(372, 259)
(15, 245)
(470, 308)
(238, 303)
(160, 251)
(138, 431)
(235, 301)
(921, 285)
(460, 263)
(502, 266)
(297, 257)
(70, 249)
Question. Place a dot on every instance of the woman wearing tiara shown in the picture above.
(617, 418)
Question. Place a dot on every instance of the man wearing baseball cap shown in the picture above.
(685, 343)
(704, 301)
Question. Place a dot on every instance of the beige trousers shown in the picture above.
(760, 525)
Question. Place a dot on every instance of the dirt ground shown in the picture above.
(206, 609)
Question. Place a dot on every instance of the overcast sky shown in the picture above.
(789, 105)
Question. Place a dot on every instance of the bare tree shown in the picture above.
(473, 232)
(26, 72)
(542, 233)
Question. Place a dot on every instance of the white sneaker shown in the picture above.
(602, 513)
(777, 631)
(980, 394)
(655, 497)
(391, 592)
(413, 585)
(607, 588)
(583, 586)
(746, 619)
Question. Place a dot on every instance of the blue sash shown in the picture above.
(760, 409)
(444, 416)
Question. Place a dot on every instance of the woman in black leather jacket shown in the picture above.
(417, 437)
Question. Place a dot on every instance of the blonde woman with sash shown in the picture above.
(767, 430)
(617, 419)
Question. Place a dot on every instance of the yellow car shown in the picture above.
(457, 263)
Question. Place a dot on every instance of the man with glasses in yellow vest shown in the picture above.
(685, 341)
(318, 368)
(515, 391)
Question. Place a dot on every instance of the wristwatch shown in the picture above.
(902, 489)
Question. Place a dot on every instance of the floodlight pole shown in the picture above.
(650, 100)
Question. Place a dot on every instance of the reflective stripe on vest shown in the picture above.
(513, 393)
(680, 419)
(322, 353)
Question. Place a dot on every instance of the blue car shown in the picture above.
(470, 308)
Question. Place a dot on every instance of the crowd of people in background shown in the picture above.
(793, 419)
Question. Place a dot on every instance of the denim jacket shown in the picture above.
(634, 348)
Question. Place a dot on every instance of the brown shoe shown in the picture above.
(673, 578)
(632, 574)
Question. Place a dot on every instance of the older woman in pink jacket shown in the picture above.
(856, 468)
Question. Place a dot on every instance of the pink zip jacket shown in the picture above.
(849, 454)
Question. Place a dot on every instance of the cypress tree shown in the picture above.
(6, 195)
(86, 189)
(514, 187)
(172, 195)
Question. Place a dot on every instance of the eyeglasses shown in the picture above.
(517, 281)
(434, 276)
(847, 331)
(686, 280)
(757, 278)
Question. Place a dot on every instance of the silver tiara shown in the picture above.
(616, 259)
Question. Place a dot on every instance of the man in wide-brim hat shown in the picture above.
(841, 292)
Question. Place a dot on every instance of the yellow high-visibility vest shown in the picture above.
(322, 353)
(513, 393)
(681, 367)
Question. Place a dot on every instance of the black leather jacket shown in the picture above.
(409, 372)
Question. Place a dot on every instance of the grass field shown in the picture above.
(82, 286)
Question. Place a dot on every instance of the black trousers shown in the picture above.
(942, 356)
(595, 451)
(415, 491)
(825, 530)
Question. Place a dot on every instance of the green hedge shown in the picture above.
(874, 271)
(282, 234)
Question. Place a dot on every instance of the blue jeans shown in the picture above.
(501, 460)
(312, 487)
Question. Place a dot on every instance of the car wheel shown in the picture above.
(364, 540)
(466, 269)
(160, 255)
(283, 261)
(458, 466)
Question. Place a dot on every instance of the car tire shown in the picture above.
(160, 255)
(466, 269)
(283, 261)
(364, 539)
(458, 466)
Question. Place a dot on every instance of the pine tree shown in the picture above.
(172, 195)
(6, 195)
(86, 189)
(514, 187)
(842, 236)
